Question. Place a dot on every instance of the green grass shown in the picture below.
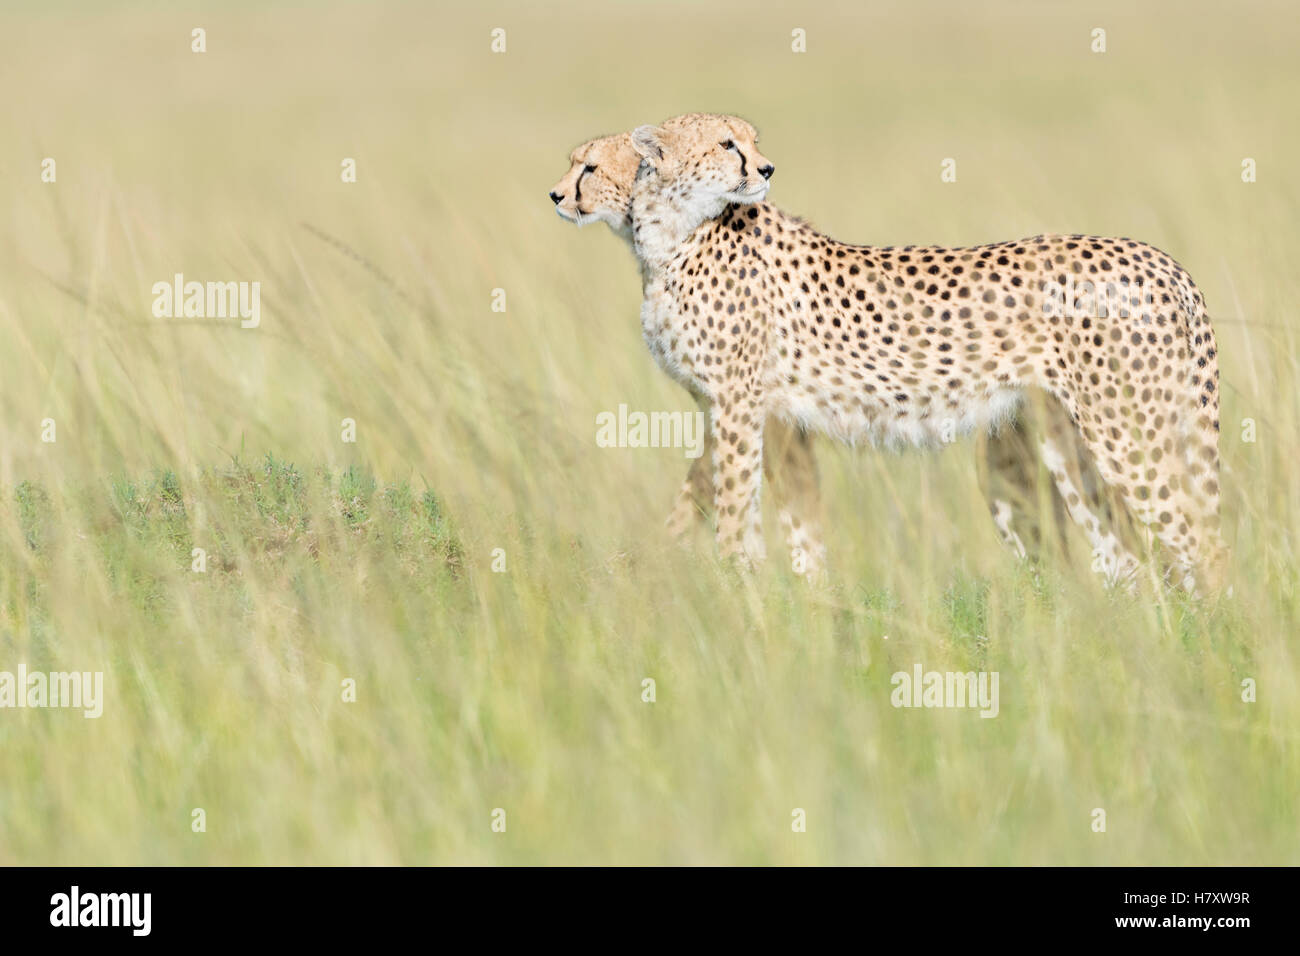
(522, 690)
(329, 561)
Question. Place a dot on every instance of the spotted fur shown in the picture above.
(598, 188)
(762, 316)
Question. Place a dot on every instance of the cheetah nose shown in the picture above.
(555, 197)
(766, 171)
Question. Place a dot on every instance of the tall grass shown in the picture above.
(372, 561)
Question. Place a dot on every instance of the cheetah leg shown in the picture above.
(694, 498)
(1210, 554)
(1008, 472)
(1167, 478)
(791, 469)
(737, 424)
(1011, 478)
(1092, 504)
(1111, 557)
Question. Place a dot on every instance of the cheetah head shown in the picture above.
(598, 185)
(707, 160)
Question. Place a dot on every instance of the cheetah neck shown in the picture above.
(664, 215)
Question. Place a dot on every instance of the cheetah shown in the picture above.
(598, 188)
(890, 345)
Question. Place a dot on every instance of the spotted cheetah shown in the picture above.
(598, 188)
(891, 345)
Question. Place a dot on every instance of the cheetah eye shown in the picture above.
(727, 144)
(588, 169)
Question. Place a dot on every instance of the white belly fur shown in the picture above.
(866, 420)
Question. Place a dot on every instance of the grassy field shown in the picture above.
(372, 561)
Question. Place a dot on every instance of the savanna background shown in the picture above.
(372, 561)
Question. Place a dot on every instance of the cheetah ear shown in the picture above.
(648, 142)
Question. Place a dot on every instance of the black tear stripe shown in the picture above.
(743, 167)
(577, 188)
